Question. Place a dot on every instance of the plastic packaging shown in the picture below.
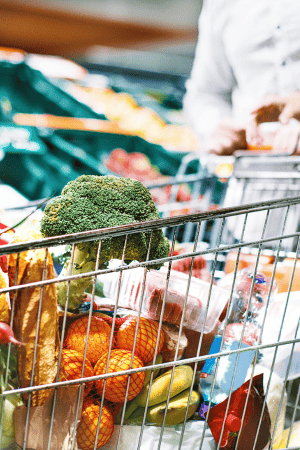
(153, 306)
(174, 344)
(199, 299)
(217, 395)
(243, 328)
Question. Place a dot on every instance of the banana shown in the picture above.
(183, 377)
(136, 417)
(132, 405)
(158, 360)
(176, 409)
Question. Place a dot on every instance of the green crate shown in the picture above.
(98, 146)
(37, 176)
(26, 90)
(19, 139)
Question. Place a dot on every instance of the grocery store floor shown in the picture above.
(143, 34)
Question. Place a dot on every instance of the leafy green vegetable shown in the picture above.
(8, 380)
(92, 202)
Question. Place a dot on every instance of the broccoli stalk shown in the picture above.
(83, 262)
(92, 202)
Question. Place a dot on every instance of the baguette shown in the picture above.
(27, 302)
(4, 299)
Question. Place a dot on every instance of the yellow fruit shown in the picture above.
(115, 389)
(176, 409)
(132, 405)
(98, 340)
(87, 427)
(183, 377)
(145, 340)
(72, 362)
(158, 360)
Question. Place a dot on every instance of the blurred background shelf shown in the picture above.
(145, 35)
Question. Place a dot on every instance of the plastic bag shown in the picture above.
(273, 333)
(192, 437)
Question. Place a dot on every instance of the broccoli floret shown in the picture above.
(91, 202)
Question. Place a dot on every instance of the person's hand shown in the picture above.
(276, 108)
(279, 108)
(226, 138)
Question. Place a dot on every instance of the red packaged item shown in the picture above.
(249, 431)
(172, 311)
(4, 239)
(183, 295)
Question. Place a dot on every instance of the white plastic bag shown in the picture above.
(192, 437)
(276, 318)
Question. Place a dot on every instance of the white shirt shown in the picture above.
(246, 49)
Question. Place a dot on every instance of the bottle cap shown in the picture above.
(234, 423)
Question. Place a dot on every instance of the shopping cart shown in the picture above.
(189, 193)
(278, 359)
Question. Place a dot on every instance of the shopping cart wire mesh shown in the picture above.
(281, 239)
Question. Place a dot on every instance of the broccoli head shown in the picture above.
(91, 202)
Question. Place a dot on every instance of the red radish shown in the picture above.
(7, 335)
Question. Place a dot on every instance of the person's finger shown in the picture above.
(253, 135)
(286, 114)
(285, 139)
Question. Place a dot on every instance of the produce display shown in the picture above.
(122, 108)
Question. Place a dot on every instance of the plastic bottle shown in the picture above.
(243, 328)
(244, 319)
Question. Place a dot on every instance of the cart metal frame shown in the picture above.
(244, 212)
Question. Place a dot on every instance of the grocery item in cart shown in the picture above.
(144, 339)
(34, 325)
(243, 327)
(87, 429)
(236, 433)
(115, 388)
(202, 309)
(175, 343)
(4, 299)
(98, 339)
(91, 202)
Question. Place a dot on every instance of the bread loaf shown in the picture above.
(35, 321)
(4, 299)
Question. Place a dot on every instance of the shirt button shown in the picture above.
(283, 63)
(278, 27)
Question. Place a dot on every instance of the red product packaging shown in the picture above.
(3, 241)
(247, 430)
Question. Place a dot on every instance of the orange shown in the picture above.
(98, 340)
(115, 388)
(145, 340)
(87, 427)
(72, 367)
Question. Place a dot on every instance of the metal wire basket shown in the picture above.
(196, 431)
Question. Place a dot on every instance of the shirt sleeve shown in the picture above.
(209, 88)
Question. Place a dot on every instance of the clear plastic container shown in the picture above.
(152, 306)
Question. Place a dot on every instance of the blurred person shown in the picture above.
(247, 50)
